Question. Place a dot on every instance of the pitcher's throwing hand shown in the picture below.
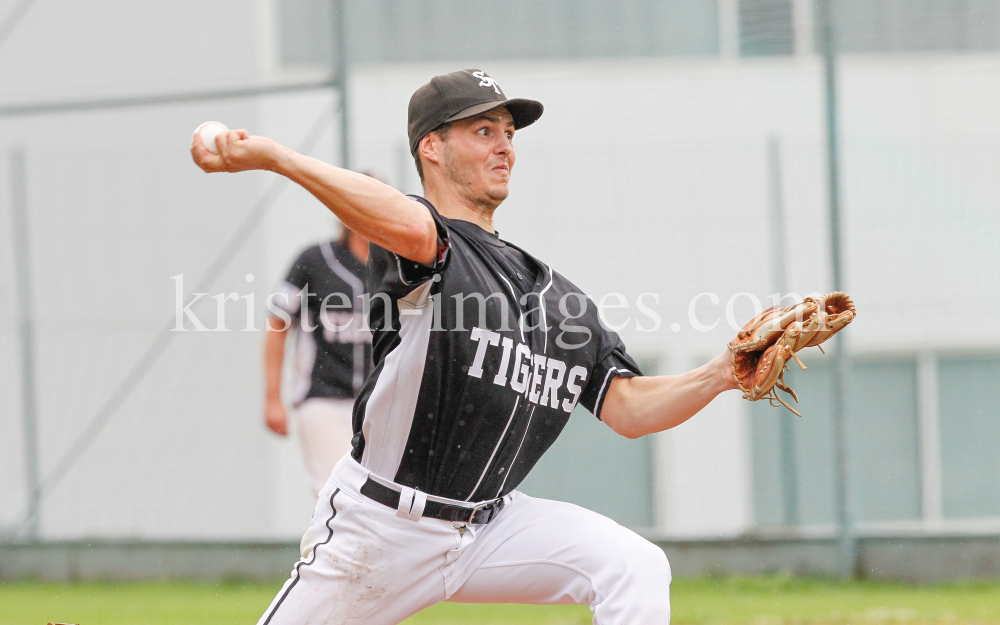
(238, 151)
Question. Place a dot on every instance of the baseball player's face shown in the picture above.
(479, 156)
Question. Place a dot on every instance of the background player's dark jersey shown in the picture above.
(470, 386)
(333, 348)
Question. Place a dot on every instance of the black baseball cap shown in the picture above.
(460, 95)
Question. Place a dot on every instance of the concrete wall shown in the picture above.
(135, 560)
(911, 559)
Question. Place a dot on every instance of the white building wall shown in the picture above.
(645, 176)
(116, 209)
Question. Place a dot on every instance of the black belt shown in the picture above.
(479, 515)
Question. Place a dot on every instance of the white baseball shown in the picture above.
(208, 131)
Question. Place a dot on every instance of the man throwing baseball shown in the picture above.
(481, 353)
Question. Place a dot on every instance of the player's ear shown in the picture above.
(431, 147)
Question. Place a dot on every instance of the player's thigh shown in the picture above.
(539, 583)
(365, 566)
(543, 551)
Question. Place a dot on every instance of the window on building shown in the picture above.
(406, 31)
(766, 28)
(796, 486)
(916, 25)
(799, 480)
(401, 31)
(970, 436)
(883, 451)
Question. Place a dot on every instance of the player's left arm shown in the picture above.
(637, 406)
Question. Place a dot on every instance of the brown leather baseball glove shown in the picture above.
(764, 346)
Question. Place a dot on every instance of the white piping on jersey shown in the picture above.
(399, 270)
(516, 453)
(545, 318)
(517, 401)
(390, 409)
(357, 288)
(600, 393)
(513, 296)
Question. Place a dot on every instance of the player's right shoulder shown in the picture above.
(310, 255)
(314, 250)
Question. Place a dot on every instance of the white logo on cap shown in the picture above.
(486, 81)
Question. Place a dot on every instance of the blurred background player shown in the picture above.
(322, 295)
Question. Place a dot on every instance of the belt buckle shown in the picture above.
(475, 509)
(495, 505)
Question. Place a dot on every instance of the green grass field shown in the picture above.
(727, 601)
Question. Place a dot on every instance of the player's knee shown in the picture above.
(660, 559)
(642, 594)
(650, 562)
(653, 605)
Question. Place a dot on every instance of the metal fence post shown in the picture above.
(341, 65)
(847, 542)
(22, 263)
(789, 476)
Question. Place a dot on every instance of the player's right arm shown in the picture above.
(371, 208)
(274, 355)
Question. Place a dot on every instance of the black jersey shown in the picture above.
(480, 360)
(333, 347)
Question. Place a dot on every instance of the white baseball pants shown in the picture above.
(325, 431)
(367, 564)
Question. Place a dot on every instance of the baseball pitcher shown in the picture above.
(481, 353)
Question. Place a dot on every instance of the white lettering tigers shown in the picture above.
(537, 376)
